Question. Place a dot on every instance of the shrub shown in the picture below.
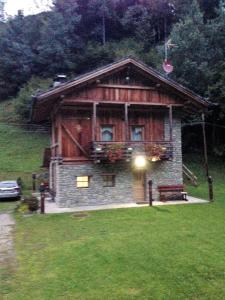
(32, 203)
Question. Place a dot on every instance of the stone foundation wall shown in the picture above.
(69, 195)
(161, 173)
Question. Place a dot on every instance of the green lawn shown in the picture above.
(21, 153)
(170, 252)
(8, 206)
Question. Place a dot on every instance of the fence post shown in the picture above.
(34, 182)
(210, 181)
(42, 192)
(150, 192)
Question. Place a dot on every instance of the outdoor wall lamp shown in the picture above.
(98, 149)
(140, 162)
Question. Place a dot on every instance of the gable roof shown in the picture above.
(99, 73)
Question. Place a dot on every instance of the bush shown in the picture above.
(23, 99)
(32, 203)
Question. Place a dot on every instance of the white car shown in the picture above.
(9, 189)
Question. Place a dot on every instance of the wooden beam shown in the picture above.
(59, 125)
(126, 122)
(132, 87)
(100, 101)
(53, 150)
(54, 145)
(171, 123)
(94, 118)
(73, 139)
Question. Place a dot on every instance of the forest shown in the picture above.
(76, 36)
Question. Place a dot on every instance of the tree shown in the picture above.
(2, 10)
(16, 57)
(23, 100)
(191, 56)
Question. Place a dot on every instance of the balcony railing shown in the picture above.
(123, 151)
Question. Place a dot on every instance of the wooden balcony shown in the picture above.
(123, 151)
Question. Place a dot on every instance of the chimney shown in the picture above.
(59, 80)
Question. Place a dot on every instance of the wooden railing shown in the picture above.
(123, 151)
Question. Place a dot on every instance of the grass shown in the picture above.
(170, 252)
(8, 205)
(21, 148)
(216, 170)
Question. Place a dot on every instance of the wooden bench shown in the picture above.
(176, 192)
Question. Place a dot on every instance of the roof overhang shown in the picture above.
(43, 103)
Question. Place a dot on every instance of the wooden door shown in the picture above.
(139, 186)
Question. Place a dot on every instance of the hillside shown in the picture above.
(21, 148)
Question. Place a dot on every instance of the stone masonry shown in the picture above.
(161, 173)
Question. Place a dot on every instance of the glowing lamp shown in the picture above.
(140, 162)
(98, 148)
(155, 158)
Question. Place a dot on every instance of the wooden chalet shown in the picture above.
(113, 130)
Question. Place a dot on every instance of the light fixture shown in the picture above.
(155, 158)
(129, 148)
(140, 162)
(98, 148)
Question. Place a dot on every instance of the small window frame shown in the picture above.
(101, 132)
(132, 127)
(80, 184)
(109, 180)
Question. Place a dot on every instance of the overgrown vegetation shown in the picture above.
(21, 149)
(23, 101)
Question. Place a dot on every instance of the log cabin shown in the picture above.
(114, 130)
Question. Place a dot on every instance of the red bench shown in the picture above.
(176, 192)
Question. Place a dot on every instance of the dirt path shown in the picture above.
(6, 240)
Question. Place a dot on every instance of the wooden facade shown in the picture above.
(112, 113)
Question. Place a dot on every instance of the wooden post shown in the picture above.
(209, 178)
(126, 123)
(59, 122)
(94, 118)
(171, 122)
(150, 192)
(42, 192)
(53, 141)
(34, 182)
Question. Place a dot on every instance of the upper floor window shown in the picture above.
(137, 133)
(107, 133)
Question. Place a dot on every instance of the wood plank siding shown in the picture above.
(121, 94)
(78, 123)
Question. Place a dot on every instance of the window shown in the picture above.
(108, 180)
(137, 133)
(82, 181)
(106, 133)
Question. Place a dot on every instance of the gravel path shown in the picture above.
(6, 240)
